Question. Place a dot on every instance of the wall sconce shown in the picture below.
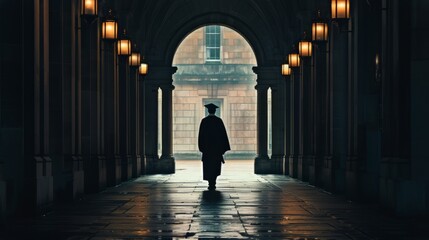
(109, 27)
(124, 45)
(294, 60)
(134, 58)
(319, 29)
(340, 9)
(143, 68)
(305, 47)
(89, 10)
(286, 70)
(340, 13)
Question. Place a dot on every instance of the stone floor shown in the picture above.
(244, 206)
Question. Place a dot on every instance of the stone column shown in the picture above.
(68, 181)
(112, 105)
(93, 158)
(166, 163)
(142, 124)
(336, 155)
(159, 77)
(151, 125)
(132, 121)
(294, 122)
(110, 88)
(312, 167)
(305, 125)
(262, 161)
(328, 161)
(419, 116)
(395, 167)
(318, 105)
(3, 191)
(43, 179)
(124, 116)
(278, 124)
(287, 116)
(135, 123)
(74, 161)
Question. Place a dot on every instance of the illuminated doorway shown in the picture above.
(214, 65)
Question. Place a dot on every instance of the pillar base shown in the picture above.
(44, 184)
(114, 170)
(77, 188)
(314, 171)
(137, 166)
(165, 165)
(77, 175)
(404, 197)
(127, 167)
(3, 196)
(293, 166)
(150, 161)
(352, 190)
(95, 177)
(397, 191)
(263, 165)
(328, 174)
(277, 162)
(102, 174)
(303, 167)
(286, 166)
(2, 201)
(143, 164)
(387, 192)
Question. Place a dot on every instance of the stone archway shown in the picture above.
(264, 45)
(214, 66)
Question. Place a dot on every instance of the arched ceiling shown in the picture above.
(270, 26)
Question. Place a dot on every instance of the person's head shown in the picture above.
(211, 108)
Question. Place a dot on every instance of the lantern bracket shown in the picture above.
(343, 25)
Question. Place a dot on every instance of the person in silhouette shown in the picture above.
(213, 143)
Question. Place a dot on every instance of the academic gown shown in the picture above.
(213, 143)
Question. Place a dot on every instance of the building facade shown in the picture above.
(214, 65)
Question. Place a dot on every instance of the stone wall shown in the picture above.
(229, 84)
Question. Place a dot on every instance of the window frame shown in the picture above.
(218, 46)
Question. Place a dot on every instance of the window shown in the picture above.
(216, 101)
(213, 43)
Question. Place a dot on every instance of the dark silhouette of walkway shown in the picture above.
(244, 206)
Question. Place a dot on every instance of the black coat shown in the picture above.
(213, 143)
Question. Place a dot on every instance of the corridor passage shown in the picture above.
(245, 206)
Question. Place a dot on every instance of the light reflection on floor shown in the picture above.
(232, 170)
(245, 206)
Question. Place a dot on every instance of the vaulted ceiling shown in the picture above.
(270, 26)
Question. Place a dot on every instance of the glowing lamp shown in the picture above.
(88, 9)
(294, 60)
(305, 48)
(340, 9)
(286, 70)
(124, 45)
(143, 69)
(319, 30)
(134, 59)
(109, 27)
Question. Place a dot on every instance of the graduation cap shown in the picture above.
(211, 107)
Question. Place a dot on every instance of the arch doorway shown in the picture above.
(164, 75)
(214, 65)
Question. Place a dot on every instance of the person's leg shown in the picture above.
(212, 183)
